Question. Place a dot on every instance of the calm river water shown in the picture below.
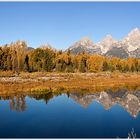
(95, 115)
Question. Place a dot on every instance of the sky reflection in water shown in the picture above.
(102, 115)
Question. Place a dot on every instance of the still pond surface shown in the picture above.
(72, 115)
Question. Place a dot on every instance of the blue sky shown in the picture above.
(62, 23)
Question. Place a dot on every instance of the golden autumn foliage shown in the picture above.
(18, 57)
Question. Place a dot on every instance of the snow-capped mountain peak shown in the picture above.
(106, 43)
(134, 32)
(83, 45)
(85, 42)
(132, 40)
(129, 46)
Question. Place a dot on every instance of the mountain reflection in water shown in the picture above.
(129, 100)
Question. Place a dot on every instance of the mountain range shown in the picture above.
(128, 46)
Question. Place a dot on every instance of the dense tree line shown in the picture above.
(18, 57)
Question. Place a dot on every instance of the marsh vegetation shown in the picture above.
(42, 82)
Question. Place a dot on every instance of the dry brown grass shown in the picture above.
(6, 73)
(90, 82)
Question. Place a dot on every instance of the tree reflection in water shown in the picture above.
(18, 103)
(129, 100)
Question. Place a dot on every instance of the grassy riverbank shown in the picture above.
(55, 82)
